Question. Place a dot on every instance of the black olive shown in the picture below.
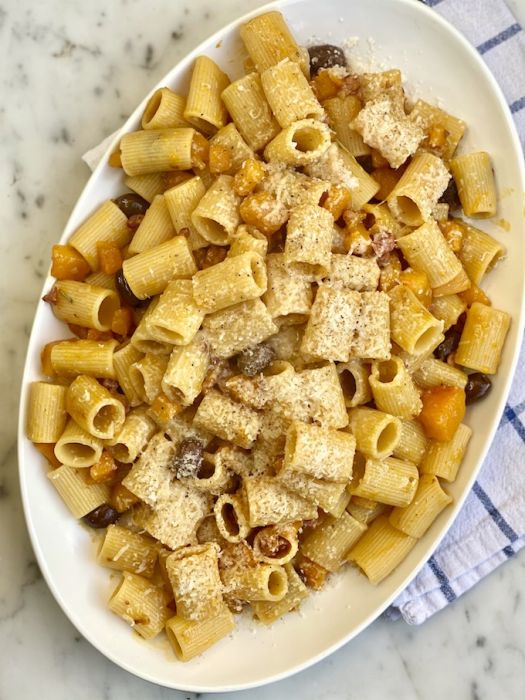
(131, 204)
(449, 345)
(124, 290)
(450, 196)
(478, 386)
(189, 458)
(325, 56)
(102, 516)
(255, 359)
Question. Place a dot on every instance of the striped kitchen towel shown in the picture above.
(491, 525)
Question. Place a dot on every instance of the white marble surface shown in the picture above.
(70, 73)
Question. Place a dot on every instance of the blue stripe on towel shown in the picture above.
(432, 3)
(444, 583)
(517, 105)
(511, 412)
(494, 513)
(510, 415)
(499, 38)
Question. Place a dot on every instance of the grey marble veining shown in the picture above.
(70, 73)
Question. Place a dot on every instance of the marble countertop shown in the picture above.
(71, 72)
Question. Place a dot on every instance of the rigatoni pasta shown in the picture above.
(260, 389)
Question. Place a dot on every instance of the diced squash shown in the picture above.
(453, 232)
(68, 264)
(387, 180)
(104, 469)
(473, 294)
(114, 160)
(442, 412)
(417, 281)
(93, 334)
(109, 257)
(264, 212)
(337, 200)
(200, 151)
(390, 273)
(248, 176)
(122, 322)
(357, 240)
(326, 85)
(47, 449)
(221, 158)
(121, 498)
(162, 410)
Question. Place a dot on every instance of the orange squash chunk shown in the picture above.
(121, 498)
(122, 322)
(47, 449)
(337, 200)
(68, 264)
(162, 410)
(248, 176)
(386, 179)
(473, 294)
(200, 151)
(264, 212)
(104, 469)
(443, 410)
(418, 282)
(109, 257)
(220, 158)
(326, 85)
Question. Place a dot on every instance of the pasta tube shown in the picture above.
(85, 305)
(149, 272)
(155, 228)
(376, 433)
(268, 41)
(216, 216)
(91, 357)
(80, 496)
(189, 639)
(430, 499)
(289, 93)
(482, 339)
(443, 459)
(194, 576)
(165, 110)
(204, 107)
(78, 448)
(412, 326)
(300, 143)
(416, 194)
(381, 549)
(46, 417)
(393, 389)
(474, 178)
(309, 240)
(106, 224)
(250, 111)
(156, 150)
(318, 452)
(93, 408)
(329, 543)
(236, 279)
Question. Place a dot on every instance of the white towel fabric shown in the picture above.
(491, 525)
